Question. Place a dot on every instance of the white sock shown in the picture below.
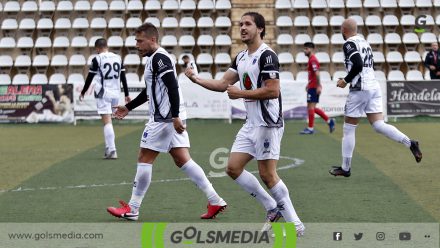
(141, 183)
(197, 175)
(109, 137)
(348, 143)
(250, 183)
(281, 195)
(391, 132)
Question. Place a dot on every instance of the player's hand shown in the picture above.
(81, 97)
(341, 83)
(178, 125)
(319, 90)
(233, 92)
(120, 112)
(432, 67)
(127, 99)
(189, 72)
(438, 73)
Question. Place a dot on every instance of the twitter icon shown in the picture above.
(358, 236)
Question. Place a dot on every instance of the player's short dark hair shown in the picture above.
(148, 29)
(101, 43)
(259, 20)
(309, 45)
(185, 57)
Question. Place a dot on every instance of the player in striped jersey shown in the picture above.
(108, 71)
(365, 97)
(166, 127)
(257, 71)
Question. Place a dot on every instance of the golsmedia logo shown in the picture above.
(191, 235)
(162, 235)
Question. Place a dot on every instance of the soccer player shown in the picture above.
(364, 98)
(187, 62)
(108, 71)
(313, 91)
(166, 128)
(257, 71)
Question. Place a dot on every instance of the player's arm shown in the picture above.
(122, 110)
(354, 56)
(229, 78)
(269, 68)
(124, 84)
(92, 72)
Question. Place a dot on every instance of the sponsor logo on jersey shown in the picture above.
(254, 61)
(160, 63)
(247, 83)
(145, 135)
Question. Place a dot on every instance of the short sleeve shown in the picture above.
(269, 65)
(350, 49)
(162, 64)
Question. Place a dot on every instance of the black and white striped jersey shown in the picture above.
(107, 67)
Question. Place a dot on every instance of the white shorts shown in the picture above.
(161, 137)
(363, 102)
(104, 105)
(260, 142)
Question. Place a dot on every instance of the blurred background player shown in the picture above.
(364, 97)
(257, 71)
(188, 63)
(108, 71)
(313, 91)
(166, 127)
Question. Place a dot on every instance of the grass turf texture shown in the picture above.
(386, 183)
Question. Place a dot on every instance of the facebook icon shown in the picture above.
(337, 236)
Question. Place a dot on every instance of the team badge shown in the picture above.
(145, 135)
(254, 61)
(266, 143)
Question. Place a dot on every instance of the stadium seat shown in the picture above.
(302, 77)
(283, 7)
(301, 58)
(354, 6)
(64, 9)
(360, 22)
(388, 6)
(204, 60)
(44, 26)
(25, 43)
(285, 58)
(378, 57)
(39, 79)
(428, 38)
(205, 42)
(58, 60)
(338, 60)
(324, 60)
(61, 42)
(20, 79)
(222, 61)
(187, 25)
(191, 57)
(47, 8)
(206, 7)
(170, 7)
(406, 6)
(11, 9)
(287, 76)
(390, 23)
(5, 79)
(374, 24)
(117, 8)
(411, 41)
(396, 75)
(319, 7)
(336, 23)
(321, 41)
(336, 7)
(285, 39)
(320, 24)
(132, 23)
(9, 27)
(423, 7)
(153, 20)
(170, 24)
(43, 45)
(205, 25)
(7, 44)
(79, 42)
(187, 43)
(100, 7)
(339, 74)
(393, 41)
(130, 44)
(98, 26)
(414, 75)
(82, 8)
(371, 7)
(133, 80)
(75, 78)
(91, 57)
(80, 25)
(135, 8)
(187, 7)
(223, 7)
(394, 59)
(407, 22)
(301, 7)
(223, 25)
(62, 26)
(40, 63)
(132, 61)
(77, 60)
(29, 8)
(300, 39)
(223, 43)
(284, 24)
(169, 41)
(57, 78)
(116, 25)
(6, 63)
(375, 40)
(115, 43)
(337, 41)
(92, 41)
(301, 24)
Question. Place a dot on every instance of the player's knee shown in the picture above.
(233, 172)
(268, 178)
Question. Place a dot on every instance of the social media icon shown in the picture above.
(380, 236)
(404, 236)
(337, 236)
(358, 236)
